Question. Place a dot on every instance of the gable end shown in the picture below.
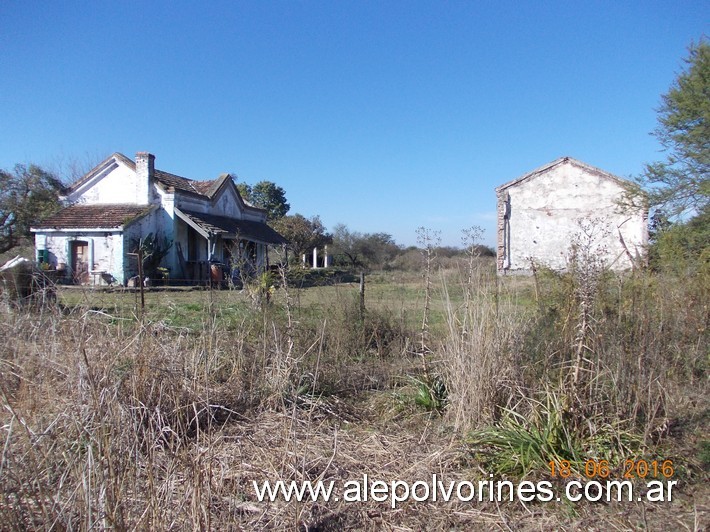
(559, 162)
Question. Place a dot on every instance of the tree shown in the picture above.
(27, 195)
(683, 247)
(679, 185)
(378, 249)
(303, 234)
(346, 242)
(371, 250)
(266, 195)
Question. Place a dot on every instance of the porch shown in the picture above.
(221, 250)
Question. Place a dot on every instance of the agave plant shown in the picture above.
(431, 393)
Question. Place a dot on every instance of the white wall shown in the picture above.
(545, 212)
(119, 185)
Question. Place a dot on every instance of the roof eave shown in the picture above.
(532, 173)
(185, 218)
(118, 229)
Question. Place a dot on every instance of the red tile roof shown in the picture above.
(182, 183)
(110, 216)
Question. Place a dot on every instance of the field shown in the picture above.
(163, 417)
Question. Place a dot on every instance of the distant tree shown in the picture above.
(27, 195)
(448, 251)
(379, 249)
(680, 184)
(303, 234)
(346, 243)
(370, 250)
(266, 195)
(243, 188)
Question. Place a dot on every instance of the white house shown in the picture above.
(92, 240)
(539, 217)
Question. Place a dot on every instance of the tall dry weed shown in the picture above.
(479, 350)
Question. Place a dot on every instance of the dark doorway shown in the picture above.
(80, 261)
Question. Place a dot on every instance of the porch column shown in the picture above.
(260, 257)
(90, 242)
(315, 258)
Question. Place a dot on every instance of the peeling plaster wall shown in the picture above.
(150, 223)
(543, 214)
(227, 204)
(105, 248)
(167, 224)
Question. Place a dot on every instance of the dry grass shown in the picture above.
(479, 352)
(109, 421)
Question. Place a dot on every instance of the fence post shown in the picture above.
(140, 276)
(362, 295)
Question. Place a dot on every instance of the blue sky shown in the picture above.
(385, 116)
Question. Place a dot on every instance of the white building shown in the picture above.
(92, 240)
(539, 216)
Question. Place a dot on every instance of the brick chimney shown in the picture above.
(145, 171)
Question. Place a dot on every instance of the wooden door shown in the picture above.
(80, 261)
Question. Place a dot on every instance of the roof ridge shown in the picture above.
(561, 160)
(185, 184)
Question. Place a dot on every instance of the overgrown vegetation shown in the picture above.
(163, 421)
(607, 367)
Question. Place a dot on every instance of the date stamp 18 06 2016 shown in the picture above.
(630, 469)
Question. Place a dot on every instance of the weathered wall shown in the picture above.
(227, 204)
(141, 228)
(543, 215)
(105, 250)
(166, 222)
